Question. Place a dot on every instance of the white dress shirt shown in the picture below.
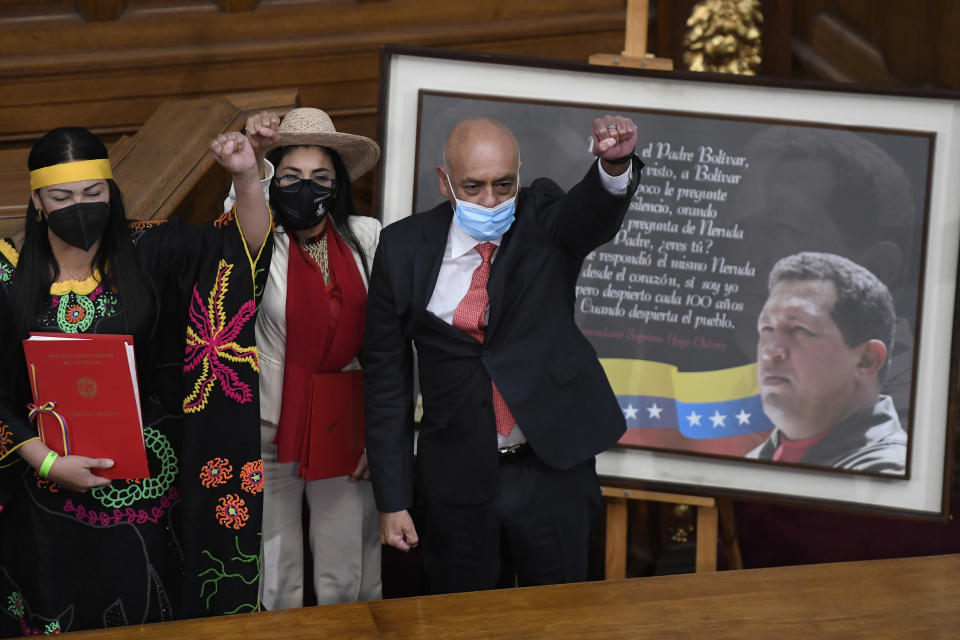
(460, 260)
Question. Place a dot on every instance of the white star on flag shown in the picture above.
(630, 413)
(694, 419)
(654, 411)
(717, 419)
(743, 417)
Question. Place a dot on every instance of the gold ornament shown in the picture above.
(318, 251)
(682, 524)
(724, 36)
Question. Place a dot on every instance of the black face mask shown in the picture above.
(299, 206)
(80, 224)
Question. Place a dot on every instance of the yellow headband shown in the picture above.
(70, 172)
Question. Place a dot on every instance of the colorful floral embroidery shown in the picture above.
(211, 341)
(259, 284)
(10, 253)
(216, 472)
(86, 287)
(15, 604)
(44, 483)
(116, 495)
(251, 477)
(232, 511)
(75, 313)
(117, 516)
(6, 272)
(214, 575)
(138, 228)
(16, 607)
(6, 439)
(224, 218)
(141, 225)
(108, 302)
(77, 307)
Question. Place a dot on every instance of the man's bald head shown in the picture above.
(481, 158)
(468, 135)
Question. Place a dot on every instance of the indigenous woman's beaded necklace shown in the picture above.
(317, 249)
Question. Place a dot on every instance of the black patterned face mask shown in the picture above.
(80, 224)
(301, 205)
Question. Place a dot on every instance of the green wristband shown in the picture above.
(44, 469)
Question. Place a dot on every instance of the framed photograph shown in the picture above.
(776, 314)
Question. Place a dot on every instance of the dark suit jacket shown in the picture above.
(870, 440)
(545, 369)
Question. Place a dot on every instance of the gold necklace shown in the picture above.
(71, 275)
(318, 251)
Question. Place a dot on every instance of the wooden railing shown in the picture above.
(878, 599)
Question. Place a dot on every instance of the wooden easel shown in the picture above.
(635, 46)
(712, 513)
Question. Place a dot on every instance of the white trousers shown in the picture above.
(342, 531)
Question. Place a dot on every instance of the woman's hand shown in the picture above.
(260, 130)
(70, 472)
(74, 472)
(235, 154)
(362, 472)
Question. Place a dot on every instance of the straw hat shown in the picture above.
(309, 126)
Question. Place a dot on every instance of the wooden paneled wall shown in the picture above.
(163, 175)
(109, 64)
(878, 41)
(866, 41)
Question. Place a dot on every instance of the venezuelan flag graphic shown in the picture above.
(715, 412)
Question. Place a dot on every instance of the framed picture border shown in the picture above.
(406, 71)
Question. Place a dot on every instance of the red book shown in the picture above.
(90, 381)
(333, 440)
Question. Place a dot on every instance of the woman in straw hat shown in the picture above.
(78, 550)
(309, 332)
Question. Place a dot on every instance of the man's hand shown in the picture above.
(397, 530)
(614, 138)
(74, 472)
(362, 472)
(234, 153)
(260, 131)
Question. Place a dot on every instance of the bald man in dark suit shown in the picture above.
(516, 404)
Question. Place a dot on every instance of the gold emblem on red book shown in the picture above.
(87, 387)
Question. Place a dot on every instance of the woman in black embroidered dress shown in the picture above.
(79, 551)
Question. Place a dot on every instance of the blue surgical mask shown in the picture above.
(485, 223)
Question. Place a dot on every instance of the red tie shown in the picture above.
(468, 317)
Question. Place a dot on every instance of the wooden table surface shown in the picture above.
(879, 599)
